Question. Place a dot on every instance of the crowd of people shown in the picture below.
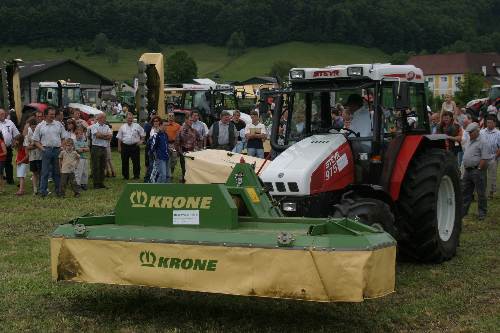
(476, 144)
(56, 149)
(59, 150)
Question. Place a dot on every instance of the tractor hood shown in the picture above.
(316, 164)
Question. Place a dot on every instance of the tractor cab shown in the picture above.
(368, 105)
(60, 93)
(207, 97)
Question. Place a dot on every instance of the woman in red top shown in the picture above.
(21, 162)
(3, 157)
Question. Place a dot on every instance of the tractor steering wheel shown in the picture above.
(348, 130)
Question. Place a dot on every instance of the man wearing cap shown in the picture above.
(475, 161)
(491, 135)
(361, 118)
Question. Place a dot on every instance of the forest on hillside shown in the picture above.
(391, 25)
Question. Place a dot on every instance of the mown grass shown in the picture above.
(462, 295)
(210, 59)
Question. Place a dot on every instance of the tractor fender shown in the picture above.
(404, 155)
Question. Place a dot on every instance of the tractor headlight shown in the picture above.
(289, 206)
(355, 71)
(297, 74)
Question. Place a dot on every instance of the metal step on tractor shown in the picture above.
(382, 166)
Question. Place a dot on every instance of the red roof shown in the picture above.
(456, 63)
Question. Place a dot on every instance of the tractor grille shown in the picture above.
(293, 187)
(269, 186)
(280, 186)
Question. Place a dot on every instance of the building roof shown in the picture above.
(259, 80)
(29, 69)
(456, 63)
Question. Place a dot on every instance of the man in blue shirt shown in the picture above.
(159, 146)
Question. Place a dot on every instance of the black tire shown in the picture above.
(370, 211)
(417, 222)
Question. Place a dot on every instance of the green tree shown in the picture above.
(470, 88)
(400, 58)
(236, 44)
(112, 55)
(180, 68)
(280, 69)
(101, 43)
(153, 45)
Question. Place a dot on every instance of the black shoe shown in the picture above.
(77, 195)
(481, 218)
(83, 187)
(100, 186)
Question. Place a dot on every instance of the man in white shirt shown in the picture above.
(361, 118)
(47, 137)
(199, 126)
(255, 134)
(130, 136)
(491, 135)
(9, 132)
(101, 135)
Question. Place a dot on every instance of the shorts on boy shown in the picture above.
(36, 166)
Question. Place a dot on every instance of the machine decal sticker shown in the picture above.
(186, 217)
(335, 172)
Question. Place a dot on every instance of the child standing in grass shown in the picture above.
(82, 148)
(3, 157)
(21, 162)
(34, 155)
(68, 161)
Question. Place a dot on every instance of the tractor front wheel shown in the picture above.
(429, 206)
(369, 211)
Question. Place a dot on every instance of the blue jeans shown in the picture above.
(50, 165)
(239, 147)
(163, 167)
(460, 157)
(255, 152)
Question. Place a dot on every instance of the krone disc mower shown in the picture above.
(224, 238)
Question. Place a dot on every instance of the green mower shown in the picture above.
(224, 238)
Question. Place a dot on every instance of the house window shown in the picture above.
(444, 78)
(430, 79)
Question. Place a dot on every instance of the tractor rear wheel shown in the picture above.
(429, 206)
(370, 211)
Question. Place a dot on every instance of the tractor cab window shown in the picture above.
(71, 95)
(227, 100)
(201, 101)
(188, 101)
(48, 95)
(297, 126)
(407, 112)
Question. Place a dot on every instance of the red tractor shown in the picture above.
(382, 166)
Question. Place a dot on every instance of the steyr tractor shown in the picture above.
(392, 173)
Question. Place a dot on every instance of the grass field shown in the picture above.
(462, 295)
(211, 60)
